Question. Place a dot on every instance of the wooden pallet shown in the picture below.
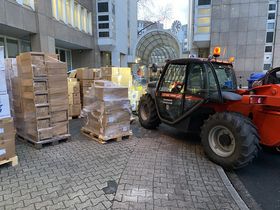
(102, 140)
(74, 117)
(13, 161)
(46, 142)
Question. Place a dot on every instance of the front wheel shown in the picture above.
(147, 112)
(230, 140)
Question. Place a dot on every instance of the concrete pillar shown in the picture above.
(42, 43)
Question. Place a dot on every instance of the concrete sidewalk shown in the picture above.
(153, 170)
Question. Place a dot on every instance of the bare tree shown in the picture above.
(150, 11)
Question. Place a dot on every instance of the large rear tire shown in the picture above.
(147, 112)
(230, 140)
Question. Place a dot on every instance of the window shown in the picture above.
(76, 14)
(269, 37)
(103, 7)
(203, 29)
(266, 67)
(271, 16)
(60, 9)
(25, 46)
(104, 34)
(83, 19)
(103, 25)
(174, 79)
(196, 84)
(103, 18)
(89, 23)
(270, 26)
(272, 7)
(54, 8)
(29, 3)
(13, 49)
(203, 21)
(2, 43)
(204, 2)
(69, 12)
(268, 49)
(203, 11)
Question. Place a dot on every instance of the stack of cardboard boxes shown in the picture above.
(41, 98)
(123, 77)
(108, 114)
(86, 77)
(74, 96)
(7, 131)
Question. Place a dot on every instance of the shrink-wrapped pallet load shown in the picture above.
(107, 112)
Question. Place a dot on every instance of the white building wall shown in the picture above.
(125, 33)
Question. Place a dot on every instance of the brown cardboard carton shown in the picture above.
(75, 110)
(59, 116)
(60, 128)
(7, 149)
(75, 98)
(7, 130)
(84, 73)
(86, 82)
(110, 93)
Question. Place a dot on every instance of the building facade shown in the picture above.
(117, 31)
(83, 32)
(65, 27)
(245, 29)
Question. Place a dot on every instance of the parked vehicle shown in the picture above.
(202, 95)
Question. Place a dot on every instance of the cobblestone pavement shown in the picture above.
(153, 170)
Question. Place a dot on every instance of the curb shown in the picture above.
(234, 194)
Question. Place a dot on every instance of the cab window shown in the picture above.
(174, 79)
(196, 82)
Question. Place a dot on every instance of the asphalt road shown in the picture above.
(261, 180)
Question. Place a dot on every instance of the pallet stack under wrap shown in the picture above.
(108, 112)
(7, 130)
(41, 98)
(74, 96)
(123, 76)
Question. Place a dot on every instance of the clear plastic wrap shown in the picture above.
(107, 111)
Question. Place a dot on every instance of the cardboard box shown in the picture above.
(75, 110)
(75, 98)
(86, 82)
(110, 93)
(60, 128)
(7, 149)
(5, 111)
(110, 131)
(7, 130)
(84, 73)
(118, 116)
(59, 116)
(3, 84)
(73, 86)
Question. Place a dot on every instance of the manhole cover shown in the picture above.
(111, 188)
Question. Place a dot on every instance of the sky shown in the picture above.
(179, 10)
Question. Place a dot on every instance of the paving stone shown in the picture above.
(155, 171)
